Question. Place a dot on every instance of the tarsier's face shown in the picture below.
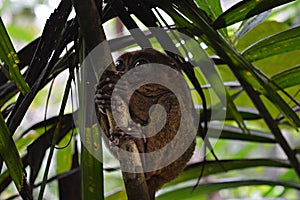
(130, 60)
(133, 59)
(145, 58)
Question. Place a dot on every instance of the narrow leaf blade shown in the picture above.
(10, 155)
(214, 167)
(288, 78)
(279, 43)
(206, 188)
(9, 56)
(234, 133)
(245, 10)
(213, 9)
(250, 24)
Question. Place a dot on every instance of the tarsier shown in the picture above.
(139, 105)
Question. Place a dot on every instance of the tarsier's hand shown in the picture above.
(103, 100)
(104, 90)
(141, 101)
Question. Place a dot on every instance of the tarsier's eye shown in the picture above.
(120, 65)
(140, 61)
